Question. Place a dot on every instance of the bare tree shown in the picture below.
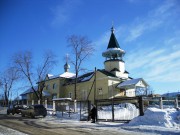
(81, 48)
(23, 62)
(8, 78)
(48, 63)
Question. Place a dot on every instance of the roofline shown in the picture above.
(114, 60)
(133, 84)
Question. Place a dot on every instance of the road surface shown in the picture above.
(9, 131)
(37, 126)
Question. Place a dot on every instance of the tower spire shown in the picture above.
(113, 50)
(114, 57)
(112, 28)
(67, 57)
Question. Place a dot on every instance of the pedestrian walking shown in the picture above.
(93, 113)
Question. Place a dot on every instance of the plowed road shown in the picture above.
(39, 127)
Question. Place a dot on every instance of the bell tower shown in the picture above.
(114, 58)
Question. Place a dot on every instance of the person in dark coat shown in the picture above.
(93, 113)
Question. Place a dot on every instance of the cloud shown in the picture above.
(63, 12)
(103, 40)
(156, 64)
(154, 19)
(157, 60)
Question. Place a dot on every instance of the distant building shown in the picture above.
(28, 95)
(172, 94)
(112, 81)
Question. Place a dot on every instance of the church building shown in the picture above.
(112, 81)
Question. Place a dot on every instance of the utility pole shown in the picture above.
(95, 85)
(112, 101)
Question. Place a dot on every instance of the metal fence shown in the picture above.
(117, 109)
(161, 102)
(66, 108)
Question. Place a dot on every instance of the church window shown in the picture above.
(100, 91)
(54, 86)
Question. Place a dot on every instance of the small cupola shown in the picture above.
(66, 66)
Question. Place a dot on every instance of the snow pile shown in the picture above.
(169, 118)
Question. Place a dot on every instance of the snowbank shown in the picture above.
(169, 118)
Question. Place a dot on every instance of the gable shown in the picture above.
(139, 82)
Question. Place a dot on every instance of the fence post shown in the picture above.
(45, 103)
(69, 109)
(80, 109)
(89, 108)
(62, 106)
(54, 107)
(160, 103)
(75, 106)
(96, 111)
(176, 103)
(141, 106)
(32, 102)
(112, 110)
(38, 101)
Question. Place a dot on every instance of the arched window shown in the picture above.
(54, 86)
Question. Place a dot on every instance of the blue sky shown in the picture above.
(148, 30)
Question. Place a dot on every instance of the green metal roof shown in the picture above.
(113, 43)
(107, 73)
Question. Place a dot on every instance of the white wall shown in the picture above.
(130, 93)
(110, 65)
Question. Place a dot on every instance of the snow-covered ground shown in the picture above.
(8, 131)
(155, 121)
